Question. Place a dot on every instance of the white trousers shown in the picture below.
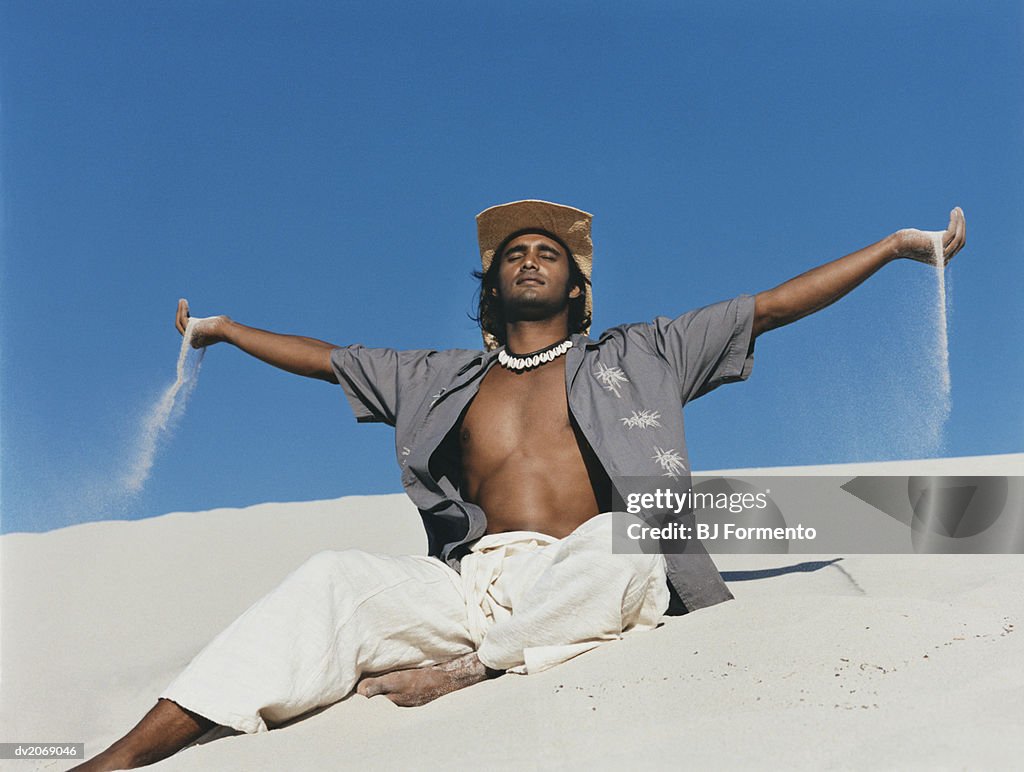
(524, 601)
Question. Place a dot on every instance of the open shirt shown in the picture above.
(625, 393)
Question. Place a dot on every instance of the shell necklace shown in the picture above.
(522, 362)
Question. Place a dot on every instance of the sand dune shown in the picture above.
(822, 661)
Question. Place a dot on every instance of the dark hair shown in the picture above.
(490, 315)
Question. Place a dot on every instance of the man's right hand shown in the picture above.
(205, 332)
(296, 354)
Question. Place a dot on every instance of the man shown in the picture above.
(511, 456)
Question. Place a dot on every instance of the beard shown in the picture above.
(534, 306)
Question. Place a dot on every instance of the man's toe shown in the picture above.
(369, 687)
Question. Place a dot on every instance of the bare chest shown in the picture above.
(519, 407)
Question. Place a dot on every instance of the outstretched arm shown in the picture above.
(825, 284)
(296, 354)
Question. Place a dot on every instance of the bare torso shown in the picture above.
(523, 461)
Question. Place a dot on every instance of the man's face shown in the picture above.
(533, 278)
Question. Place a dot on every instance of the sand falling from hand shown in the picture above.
(920, 399)
(884, 392)
(941, 396)
(159, 422)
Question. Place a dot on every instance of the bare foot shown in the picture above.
(166, 729)
(410, 688)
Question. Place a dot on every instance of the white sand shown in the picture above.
(890, 661)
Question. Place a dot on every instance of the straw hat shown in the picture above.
(571, 226)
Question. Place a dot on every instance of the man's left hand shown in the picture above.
(920, 245)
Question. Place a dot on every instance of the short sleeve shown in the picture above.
(706, 347)
(377, 380)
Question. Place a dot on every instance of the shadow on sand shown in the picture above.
(767, 573)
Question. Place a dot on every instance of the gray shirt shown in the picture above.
(625, 392)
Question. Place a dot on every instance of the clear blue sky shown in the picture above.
(315, 168)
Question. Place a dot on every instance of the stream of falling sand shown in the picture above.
(171, 403)
(940, 353)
